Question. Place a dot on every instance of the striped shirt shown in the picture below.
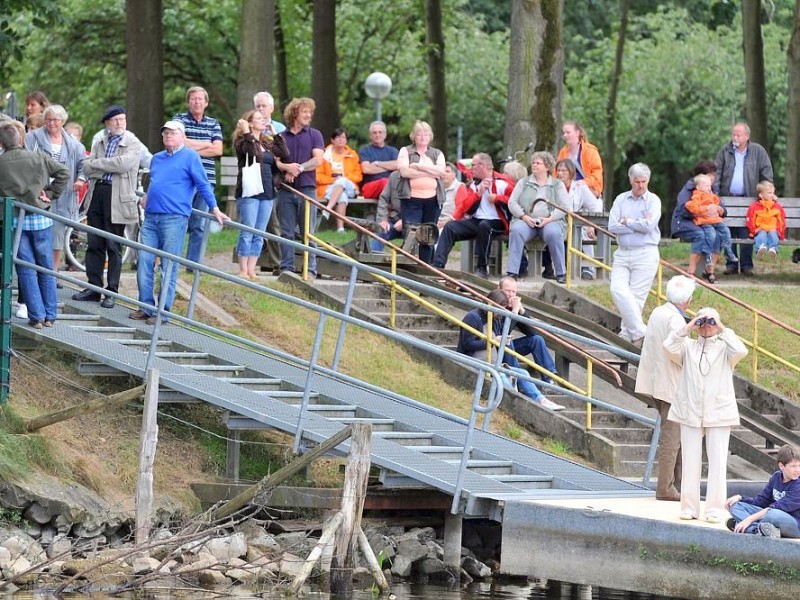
(111, 151)
(206, 129)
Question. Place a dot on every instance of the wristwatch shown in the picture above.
(302, 168)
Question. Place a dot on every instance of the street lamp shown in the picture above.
(378, 85)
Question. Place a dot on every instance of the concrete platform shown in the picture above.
(640, 545)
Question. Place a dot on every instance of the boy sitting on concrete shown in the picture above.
(776, 510)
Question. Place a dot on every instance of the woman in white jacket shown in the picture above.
(705, 405)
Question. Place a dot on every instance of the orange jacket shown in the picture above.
(698, 206)
(590, 163)
(767, 215)
(351, 166)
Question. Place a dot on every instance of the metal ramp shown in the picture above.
(412, 444)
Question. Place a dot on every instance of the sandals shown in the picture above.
(710, 277)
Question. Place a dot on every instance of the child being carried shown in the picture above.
(707, 213)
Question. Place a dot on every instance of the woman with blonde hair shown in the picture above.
(422, 168)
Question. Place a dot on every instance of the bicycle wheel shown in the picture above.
(78, 242)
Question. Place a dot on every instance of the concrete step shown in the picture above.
(410, 321)
(626, 435)
(600, 418)
(362, 290)
(633, 452)
(440, 337)
(382, 305)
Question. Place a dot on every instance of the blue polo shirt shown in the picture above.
(371, 153)
(174, 177)
(206, 129)
(300, 145)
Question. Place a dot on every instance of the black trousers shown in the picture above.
(100, 250)
(481, 230)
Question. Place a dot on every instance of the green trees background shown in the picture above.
(682, 83)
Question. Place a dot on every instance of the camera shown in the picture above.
(537, 222)
(706, 321)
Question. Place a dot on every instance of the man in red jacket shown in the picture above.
(482, 215)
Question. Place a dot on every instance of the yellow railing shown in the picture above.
(395, 288)
(757, 315)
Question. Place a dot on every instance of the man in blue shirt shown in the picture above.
(204, 136)
(378, 160)
(175, 174)
(741, 165)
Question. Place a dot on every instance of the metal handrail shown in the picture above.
(495, 392)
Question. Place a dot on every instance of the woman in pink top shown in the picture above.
(422, 169)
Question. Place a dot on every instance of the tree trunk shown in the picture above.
(324, 86)
(792, 186)
(609, 157)
(755, 85)
(144, 33)
(282, 97)
(434, 41)
(535, 76)
(255, 57)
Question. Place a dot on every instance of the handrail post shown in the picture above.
(570, 257)
(196, 278)
(589, 376)
(167, 269)
(312, 365)
(393, 289)
(499, 361)
(465, 454)
(348, 303)
(651, 453)
(7, 235)
(306, 234)
(755, 347)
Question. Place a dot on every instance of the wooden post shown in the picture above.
(268, 483)
(372, 562)
(147, 455)
(328, 531)
(81, 409)
(353, 494)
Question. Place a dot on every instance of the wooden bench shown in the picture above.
(737, 207)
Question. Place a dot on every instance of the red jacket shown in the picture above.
(767, 215)
(502, 186)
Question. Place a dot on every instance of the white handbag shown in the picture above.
(252, 184)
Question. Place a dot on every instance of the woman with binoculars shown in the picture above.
(705, 405)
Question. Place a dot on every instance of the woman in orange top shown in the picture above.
(585, 157)
(338, 176)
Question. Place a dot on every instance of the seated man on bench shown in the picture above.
(483, 214)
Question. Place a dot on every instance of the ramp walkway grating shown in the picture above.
(105, 337)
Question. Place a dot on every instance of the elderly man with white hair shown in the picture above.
(657, 376)
(705, 406)
(634, 220)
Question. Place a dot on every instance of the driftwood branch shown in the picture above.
(82, 409)
(328, 531)
(372, 562)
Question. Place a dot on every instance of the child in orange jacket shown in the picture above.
(766, 220)
(707, 214)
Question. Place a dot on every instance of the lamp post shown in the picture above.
(378, 85)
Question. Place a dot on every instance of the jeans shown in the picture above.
(536, 347)
(715, 237)
(783, 521)
(196, 226)
(481, 230)
(766, 238)
(39, 289)
(415, 212)
(255, 213)
(526, 388)
(521, 233)
(743, 251)
(291, 214)
(696, 238)
(390, 235)
(165, 232)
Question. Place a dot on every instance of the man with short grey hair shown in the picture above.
(378, 160)
(264, 103)
(658, 375)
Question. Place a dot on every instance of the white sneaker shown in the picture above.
(761, 250)
(22, 311)
(549, 404)
(773, 253)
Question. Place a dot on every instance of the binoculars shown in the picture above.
(705, 321)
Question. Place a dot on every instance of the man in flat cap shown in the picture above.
(175, 174)
(112, 169)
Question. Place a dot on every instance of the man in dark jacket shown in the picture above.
(35, 179)
(741, 165)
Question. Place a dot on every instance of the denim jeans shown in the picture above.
(291, 214)
(766, 238)
(551, 234)
(696, 238)
(390, 235)
(164, 232)
(196, 226)
(39, 289)
(416, 212)
(525, 387)
(537, 348)
(783, 521)
(717, 237)
(255, 213)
